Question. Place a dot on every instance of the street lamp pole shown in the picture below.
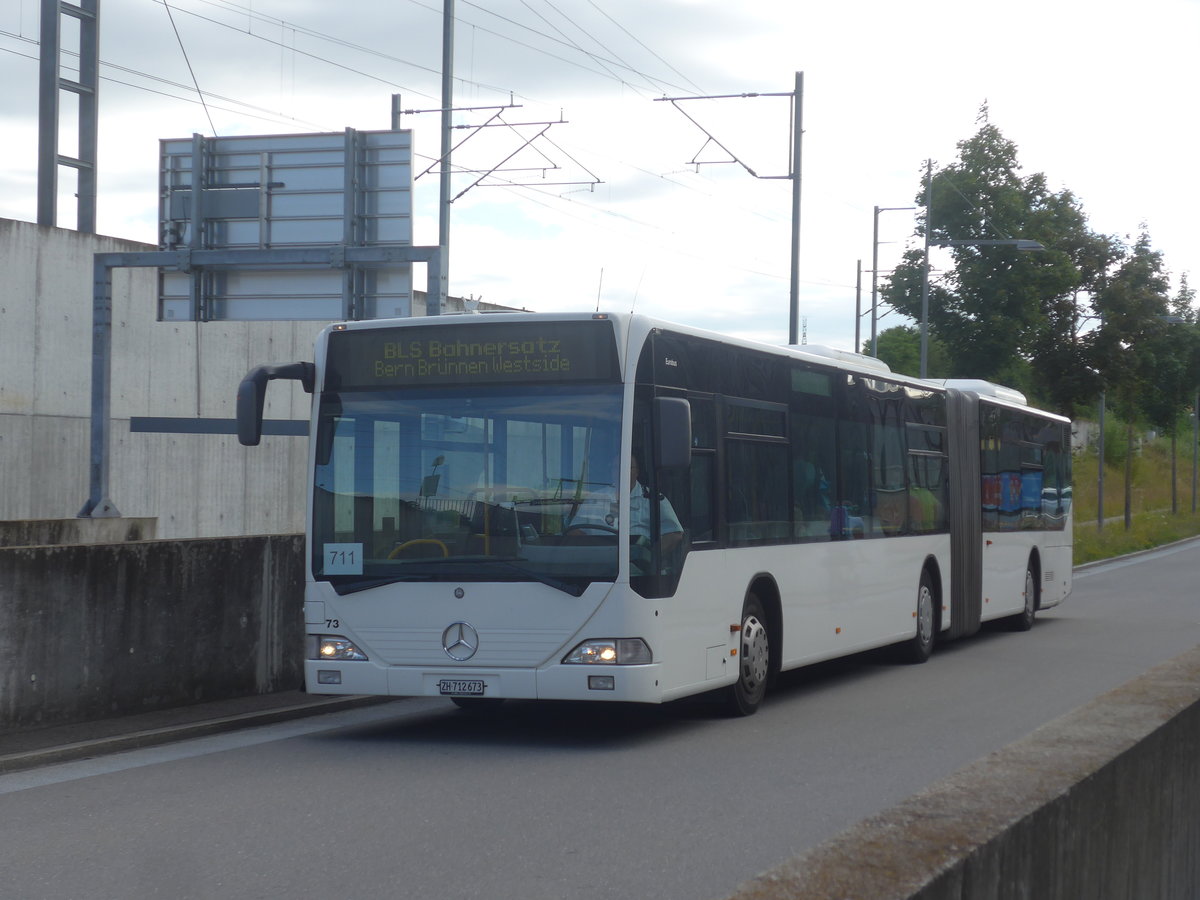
(1100, 467)
(797, 158)
(925, 270)
(875, 277)
(858, 309)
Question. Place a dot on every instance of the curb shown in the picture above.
(150, 737)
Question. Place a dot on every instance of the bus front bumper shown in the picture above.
(634, 684)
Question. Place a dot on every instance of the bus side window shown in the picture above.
(814, 471)
(889, 457)
(757, 508)
(855, 496)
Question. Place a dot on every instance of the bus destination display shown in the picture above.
(474, 353)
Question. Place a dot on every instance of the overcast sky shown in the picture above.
(1099, 96)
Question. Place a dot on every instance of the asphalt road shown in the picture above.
(417, 799)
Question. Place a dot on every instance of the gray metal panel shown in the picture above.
(966, 535)
(270, 192)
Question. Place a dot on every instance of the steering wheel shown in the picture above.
(418, 542)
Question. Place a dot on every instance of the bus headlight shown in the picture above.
(613, 652)
(332, 647)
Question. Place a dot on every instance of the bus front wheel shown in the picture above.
(745, 695)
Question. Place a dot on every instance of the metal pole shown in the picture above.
(797, 141)
(875, 286)
(1100, 479)
(1174, 473)
(98, 504)
(1128, 475)
(433, 268)
(925, 270)
(48, 96)
(858, 309)
(89, 113)
(875, 276)
(1195, 445)
(433, 304)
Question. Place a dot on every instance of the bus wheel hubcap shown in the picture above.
(925, 615)
(755, 655)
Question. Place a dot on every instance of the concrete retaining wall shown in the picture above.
(35, 532)
(109, 629)
(1103, 804)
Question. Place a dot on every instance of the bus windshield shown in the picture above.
(465, 484)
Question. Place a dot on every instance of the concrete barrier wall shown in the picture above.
(35, 532)
(108, 629)
(1103, 804)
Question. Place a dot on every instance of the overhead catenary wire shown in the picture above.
(248, 110)
(191, 71)
(594, 40)
(548, 199)
(258, 112)
(323, 59)
(228, 5)
(545, 36)
(649, 50)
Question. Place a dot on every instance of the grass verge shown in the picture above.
(1147, 530)
(1152, 523)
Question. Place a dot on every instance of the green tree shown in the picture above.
(1003, 314)
(1131, 350)
(1184, 304)
(1171, 398)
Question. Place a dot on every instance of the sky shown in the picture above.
(1099, 96)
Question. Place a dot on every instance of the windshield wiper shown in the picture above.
(353, 586)
(365, 584)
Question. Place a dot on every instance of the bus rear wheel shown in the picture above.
(1023, 620)
(919, 647)
(745, 695)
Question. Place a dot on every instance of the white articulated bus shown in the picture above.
(608, 507)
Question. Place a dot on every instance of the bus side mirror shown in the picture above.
(673, 432)
(252, 393)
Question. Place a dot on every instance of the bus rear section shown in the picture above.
(1012, 548)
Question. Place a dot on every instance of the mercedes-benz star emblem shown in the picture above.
(460, 641)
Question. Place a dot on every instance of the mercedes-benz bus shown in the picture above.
(610, 507)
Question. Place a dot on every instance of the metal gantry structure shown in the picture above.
(794, 175)
(51, 85)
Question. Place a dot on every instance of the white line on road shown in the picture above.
(217, 743)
